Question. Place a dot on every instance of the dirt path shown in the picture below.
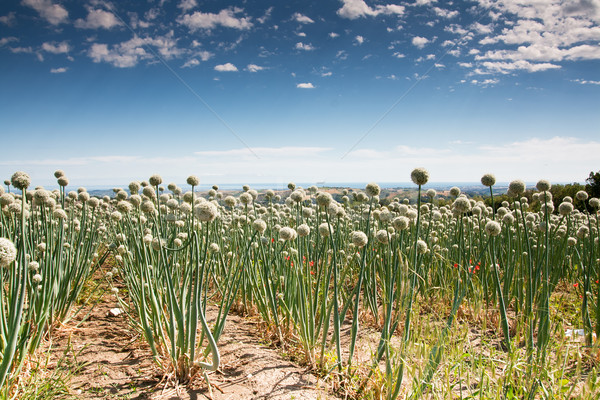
(112, 362)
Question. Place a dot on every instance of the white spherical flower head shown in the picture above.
(582, 195)
(291, 186)
(431, 193)
(297, 196)
(246, 198)
(20, 180)
(461, 205)
(59, 214)
(359, 239)
(421, 247)
(516, 188)
(454, 191)
(324, 199)
(206, 211)
(488, 180)
(571, 241)
(303, 230)
(543, 185)
(8, 252)
(400, 223)
(155, 180)
(382, 236)
(372, 189)
(214, 248)
(230, 201)
(58, 173)
(37, 278)
(565, 208)
(259, 225)
(63, 181)
(134, 187)
(324, 229)
(493, 228)
(193, 180)
(419, 176)
(287, 233)
(595, 203)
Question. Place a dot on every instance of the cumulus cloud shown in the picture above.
(538, 35)
(303, 19)
(254, 68)
(353, 9)
(6, 40)
(226, 18)
(227, 67)
(187, 5)
(129, 53)
(55, 14)
(306, 85)
(60, 70)
(8, 19)
(98, 19)
(303, 46)
(333, 35)
(442, 12)
(359, 39)
(56, 48)
(419, 41)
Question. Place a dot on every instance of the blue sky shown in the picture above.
(267, 91)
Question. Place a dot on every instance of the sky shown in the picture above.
(305, 91)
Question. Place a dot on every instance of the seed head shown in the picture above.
(303, 230)
(193, 180)
(493, 228)
(287, 233)
(488, 180)
(155, 180)
(419, 176)
(582, 195)
(359, 239)
(543, 185)
(372, 189)
(20, 180)
(8, 252)
(516, 188)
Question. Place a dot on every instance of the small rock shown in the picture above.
(115, 312)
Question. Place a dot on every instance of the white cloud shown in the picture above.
(307, 85)
(129, 53)
(399, 55)
(359, 39)
(56, 48)
(541, 31)
(227, 67)
(187, 5)
(8, 19)
(60, 70)
(325, 74)
(333, 35)
(301, 34)
(306, 47)
(503, 67)
(98, 19)
(254, 68)
(586, 82)
(485, 82)
(6, 40)
(442, 12)
(303, 19)
(191, 63)
(353, 9)
(419, 41)
(55, 14)
(226, 18)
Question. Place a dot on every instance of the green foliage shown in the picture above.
(593, 184)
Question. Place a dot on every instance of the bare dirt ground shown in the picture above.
(113, 362)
